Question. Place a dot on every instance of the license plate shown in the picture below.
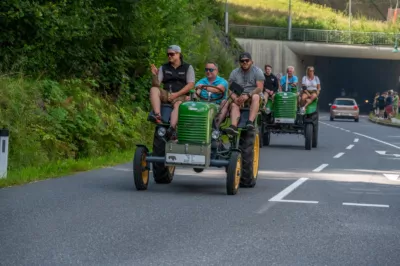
(176, 158)
(284, 120)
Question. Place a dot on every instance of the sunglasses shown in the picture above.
(245, 61)
(209, 70)
(171, 54)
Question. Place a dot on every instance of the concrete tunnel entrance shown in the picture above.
(360, 79)
(360, 70)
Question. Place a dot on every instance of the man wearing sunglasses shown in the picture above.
(178, 79)
(251, 79)
(219, 95)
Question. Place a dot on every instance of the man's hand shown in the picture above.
(240, 100)
(154, 70)
(172, 96)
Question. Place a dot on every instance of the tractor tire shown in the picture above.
(308, 133)
(140, 169)
(315, 136)
(250, 149)
(233, 173)
(162, 174)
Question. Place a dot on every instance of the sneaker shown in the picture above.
(156, 118)
(250, 125)
(232, 130)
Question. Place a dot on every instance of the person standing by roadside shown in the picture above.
(380, 104)
(396, 104)
(375, 104)
(389, 106)
(270, 84)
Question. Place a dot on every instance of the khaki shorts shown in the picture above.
(247, 103)
(164, 97)
(310, 92)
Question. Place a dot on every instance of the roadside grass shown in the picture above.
(304, 15)
(64, 167)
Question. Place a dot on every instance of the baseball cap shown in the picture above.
(175, 48)
(245, 55)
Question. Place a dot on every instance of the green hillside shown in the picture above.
(305, 15)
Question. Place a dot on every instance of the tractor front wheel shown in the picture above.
(141, 169)
(233, 173)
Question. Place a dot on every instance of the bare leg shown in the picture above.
(174, 114)
(223, 113)
(155, 99)
(254, 107)
(310, 100)
(235, 114)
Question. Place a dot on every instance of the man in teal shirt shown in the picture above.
(208, 93)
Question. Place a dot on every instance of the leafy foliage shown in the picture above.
(86, 70)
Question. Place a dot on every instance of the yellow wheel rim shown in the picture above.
(256, 155)
(145, 173)
(238, 171)
(171, 169)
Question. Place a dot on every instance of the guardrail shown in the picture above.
(313, 35)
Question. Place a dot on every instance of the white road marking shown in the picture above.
(384, 153)
(347, 130)
(338, 155)
(349, 147)
(365, 205)
(377, 140)
(392, 177)
(355, 140)
(320, 168)
(289, 189)
(298, 201)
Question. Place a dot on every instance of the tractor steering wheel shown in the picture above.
(211, 99)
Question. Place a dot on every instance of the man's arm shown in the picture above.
(190, 78)
(276, 84)
(157, 79)
(260, 78)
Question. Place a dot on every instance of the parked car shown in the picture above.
(344, 108)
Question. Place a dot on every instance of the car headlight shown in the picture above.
(215, 134)
(161, 131)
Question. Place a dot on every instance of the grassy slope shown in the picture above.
(305, 15)
(59, 128)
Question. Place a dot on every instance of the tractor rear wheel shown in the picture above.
(250, 148)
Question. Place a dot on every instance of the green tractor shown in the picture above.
(199, 145)
(282, 116)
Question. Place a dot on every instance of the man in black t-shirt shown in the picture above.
(380, 102)
(270, 83)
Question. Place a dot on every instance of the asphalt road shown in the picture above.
(302, 211)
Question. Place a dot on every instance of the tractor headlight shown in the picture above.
(161, 131)
(268, 110)
(215, 134)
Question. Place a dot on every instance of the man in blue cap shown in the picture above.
(177, 78)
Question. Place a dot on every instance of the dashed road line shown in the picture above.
(355, 140)
(338, 155)
(349, 147)
(365, 205)
(320, 168)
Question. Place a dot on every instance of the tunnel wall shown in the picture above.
(276, 54)
(360, 77)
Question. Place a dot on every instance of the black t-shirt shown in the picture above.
(381, 102)
(389, 100)
(271, 82)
